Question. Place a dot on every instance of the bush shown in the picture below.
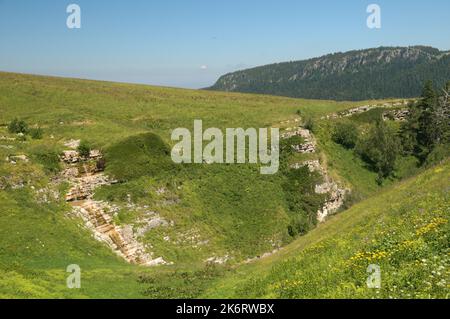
(100, 164)
(84, 149)
(36, 133)
(286, 144)
(18, 126)
(345, 134)
(301, 199)
(438, 154)
(380, 149)
(299, 225)
(144, 155)
(351, 199)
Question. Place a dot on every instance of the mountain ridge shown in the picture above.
(375, 73)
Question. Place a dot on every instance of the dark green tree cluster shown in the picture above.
(380, 148)
(346, 134)
(426, 132)
(299, 190)
(302, 200)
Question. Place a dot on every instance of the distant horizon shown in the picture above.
(200, 88)
(191, 44)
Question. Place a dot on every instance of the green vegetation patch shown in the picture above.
(140, 155)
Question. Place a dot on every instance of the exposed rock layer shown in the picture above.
(98, 215)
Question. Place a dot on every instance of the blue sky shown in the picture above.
(190, 43)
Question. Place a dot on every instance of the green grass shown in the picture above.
(404, 229)
(132, 125)
(344, 164)
(107, 112)
(216, 210)
(408, 222)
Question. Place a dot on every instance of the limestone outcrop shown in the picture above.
(121, 239)
(365, 108)
(335, 198)
(83, 187)
(72, 156)
(85, 177)
(396, 115)
(335, 194)
(307, 146)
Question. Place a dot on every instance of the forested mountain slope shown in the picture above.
(377, 73)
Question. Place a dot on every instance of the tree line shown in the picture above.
(424, 135)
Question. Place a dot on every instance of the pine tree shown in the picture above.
(409, 129)
(380, 149)
(442, 116)
(426, 130)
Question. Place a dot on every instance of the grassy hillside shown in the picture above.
(407, 237)
(104, 112)
(247, 209)
(404, 229)
(214, 210)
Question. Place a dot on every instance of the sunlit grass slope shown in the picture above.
(404, 230)
(104, 112)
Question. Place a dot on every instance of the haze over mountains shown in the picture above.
(375, 73)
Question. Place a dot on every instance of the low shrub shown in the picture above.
(18, 126)
(345, 134)
(36, 133)
(84, 149)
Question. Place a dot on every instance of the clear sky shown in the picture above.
(190, 43)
